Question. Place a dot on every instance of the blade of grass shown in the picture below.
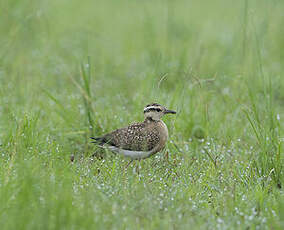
(61, 111)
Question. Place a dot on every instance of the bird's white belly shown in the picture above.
(135, 155)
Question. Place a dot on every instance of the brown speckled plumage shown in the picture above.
(137, 137)
(150, 135)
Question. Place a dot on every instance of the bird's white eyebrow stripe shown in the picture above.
(151, 107)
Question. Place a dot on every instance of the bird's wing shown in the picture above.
(136, 137)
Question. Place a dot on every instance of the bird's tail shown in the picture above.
(98, 140)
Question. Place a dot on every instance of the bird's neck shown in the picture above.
(150, 119)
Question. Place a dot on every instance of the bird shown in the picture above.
(139, 140)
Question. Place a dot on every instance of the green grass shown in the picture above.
(71, 69)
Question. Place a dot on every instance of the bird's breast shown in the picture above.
(163, 131)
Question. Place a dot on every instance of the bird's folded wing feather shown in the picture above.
(136, 137)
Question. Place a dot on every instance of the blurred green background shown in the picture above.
(219, 63)
(209, 54)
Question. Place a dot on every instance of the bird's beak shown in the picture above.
(170, 111)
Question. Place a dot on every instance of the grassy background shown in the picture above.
(70, 69)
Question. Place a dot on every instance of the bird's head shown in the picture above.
(155, 111)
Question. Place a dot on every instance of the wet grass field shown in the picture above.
(70, 70)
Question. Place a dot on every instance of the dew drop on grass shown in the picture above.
(220, 221)
(186, 148)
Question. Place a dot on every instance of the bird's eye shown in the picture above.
(158, 110)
